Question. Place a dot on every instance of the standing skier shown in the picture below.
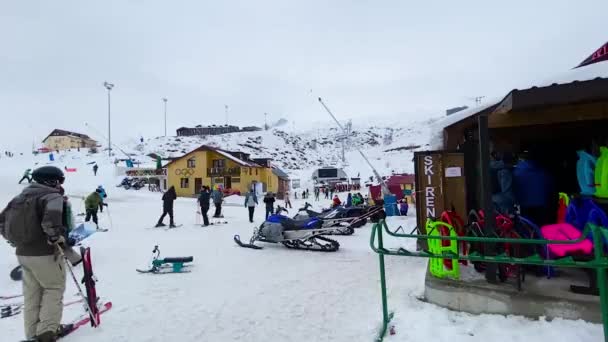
(326, 191)
(103, 195)
(168, 198)
(317, 191)
(349, 200)
(307, 193)
(92, 204)
(287, 201)
(251, 200)
(32, 222)
(218, 197)
(269, 201)
(27, 175)
(203, 201)
(95, 168)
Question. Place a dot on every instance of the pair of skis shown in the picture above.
(90, 300)
(9, 310)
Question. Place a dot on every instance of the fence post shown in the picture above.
(385, 316)
(598, 250)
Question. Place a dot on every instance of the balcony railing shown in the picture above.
(223, 171)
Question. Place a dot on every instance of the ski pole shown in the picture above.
(110, 218)
(86, 302)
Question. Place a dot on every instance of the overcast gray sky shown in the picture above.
(365, 58)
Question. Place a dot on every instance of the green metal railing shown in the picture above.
(599, 261)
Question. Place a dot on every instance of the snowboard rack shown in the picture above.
(174, 264)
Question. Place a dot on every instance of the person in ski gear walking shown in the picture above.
(326, 190)
(203, 201)
(102, 195)
(217, 197)
(349, 200)
(287, 201)
(403, 207)
(251, 200)
(336, 202)
(307, 193)
(32, 222)
(27, 175)
(91, 205)
(95, 168)
(317, 191)
(269, 201)
(168, 198)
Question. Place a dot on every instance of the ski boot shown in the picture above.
(160, 224)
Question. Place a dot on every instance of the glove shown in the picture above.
(56, 240)
(105, 204)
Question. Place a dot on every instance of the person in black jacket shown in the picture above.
(269, 201)
(168, 199)
(203, 201)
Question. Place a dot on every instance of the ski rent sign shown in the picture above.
(440, 185)
(429, 192)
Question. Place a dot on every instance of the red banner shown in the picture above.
(599, 55)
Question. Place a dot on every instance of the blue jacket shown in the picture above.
(349, 200)
(532, 185)
(102, 192)
(217, 196)
(255, 198)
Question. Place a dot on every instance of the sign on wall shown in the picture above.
(440, 185)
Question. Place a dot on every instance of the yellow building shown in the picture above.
(65, 140)
(214, 167)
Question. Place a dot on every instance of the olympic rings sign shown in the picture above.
(184, 172)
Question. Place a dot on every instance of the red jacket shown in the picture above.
(336, 201)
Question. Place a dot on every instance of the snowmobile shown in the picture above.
(344, 219)
(125, 183)
(295, 234)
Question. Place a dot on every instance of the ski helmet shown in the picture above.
(48, 175)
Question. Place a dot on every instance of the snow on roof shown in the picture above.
(585, 73)
(234, 159)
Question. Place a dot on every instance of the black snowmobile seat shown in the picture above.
(291, 224)
(178, 259)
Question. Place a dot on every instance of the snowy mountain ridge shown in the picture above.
(390, 147)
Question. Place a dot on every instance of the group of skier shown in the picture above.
(204, 198)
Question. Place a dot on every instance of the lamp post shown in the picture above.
(165, 101)
(109, 86)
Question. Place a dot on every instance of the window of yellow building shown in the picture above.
(191, 163)
(185, 183)
(236, 179)
(256, 172)
(219, 163)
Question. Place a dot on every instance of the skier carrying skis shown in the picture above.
(218, 197)
(203, 201)
(32, 222)
(91, 206)
(269, 201)
(27, 175)
(251, 200)
(103, 195)
(168, 198)
(95, 168)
